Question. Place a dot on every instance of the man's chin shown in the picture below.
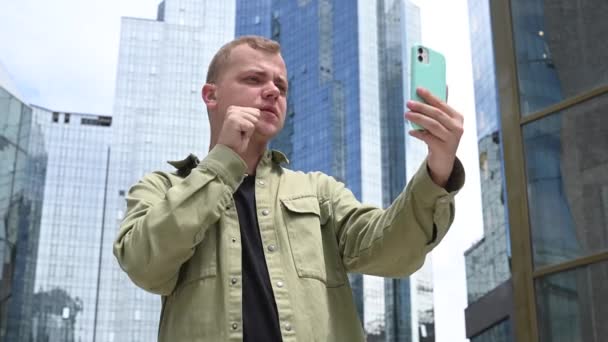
(266, 133)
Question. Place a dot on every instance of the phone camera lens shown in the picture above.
(420, 50)
(420, 58)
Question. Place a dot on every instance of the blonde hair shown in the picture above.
(220, 59)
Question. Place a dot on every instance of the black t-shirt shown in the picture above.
(260, 318)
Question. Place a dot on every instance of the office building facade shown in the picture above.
(22, 173)
(552, 94)
(68, 269)
(488, 260)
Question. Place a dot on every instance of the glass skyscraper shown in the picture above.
(158, 115)
(348, 75)
(562, 82)
(409, 308)
(487, 261)
(72, 226)
(552, 94)
(23, 161)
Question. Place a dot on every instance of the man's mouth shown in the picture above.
(269, 110)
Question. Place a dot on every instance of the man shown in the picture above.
(241, 248)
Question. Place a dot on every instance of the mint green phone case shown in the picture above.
(429, 74)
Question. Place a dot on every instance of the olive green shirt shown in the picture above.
(181, 239)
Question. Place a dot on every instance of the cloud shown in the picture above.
(63, 54)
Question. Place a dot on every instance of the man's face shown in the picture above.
(253, 78)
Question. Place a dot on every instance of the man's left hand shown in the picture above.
(443, 130)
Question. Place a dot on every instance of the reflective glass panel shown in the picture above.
(571, 306)
(561, 49)
(567, 173)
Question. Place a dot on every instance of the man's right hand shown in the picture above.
(239, 126)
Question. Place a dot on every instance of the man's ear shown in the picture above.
(208, 93)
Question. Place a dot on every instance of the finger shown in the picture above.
(426, 137)
(247, 128)
(248, 113)
(432, 112)
(251, 111)
(242, 123)
(434, 101)
(237, 114)
(430, 124)
(240, 111)
(253, 118)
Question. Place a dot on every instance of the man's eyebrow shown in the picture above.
(258, 72)
(255, 71)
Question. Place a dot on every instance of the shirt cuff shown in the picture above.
(226, 164)
(427, 192)
(457, 177)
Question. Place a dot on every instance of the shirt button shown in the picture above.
(233, 281)
(234, 326)
(233, 240)
(261, 182)
(265, 212)
(272, 248)
(280, 284)
(287, 326)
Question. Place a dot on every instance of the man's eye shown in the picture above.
(252, 79)
(282, 88)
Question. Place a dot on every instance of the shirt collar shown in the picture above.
(278, 157)
(192, 160)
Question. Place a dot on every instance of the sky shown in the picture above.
(62, 55)
(445, 27)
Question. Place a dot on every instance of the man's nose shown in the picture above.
(271, 91)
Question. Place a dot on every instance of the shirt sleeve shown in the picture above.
(394, 242)
(164, 221)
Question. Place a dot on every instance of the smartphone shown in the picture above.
(427, 69)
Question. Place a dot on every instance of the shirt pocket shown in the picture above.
(203, 263)
(313, 244)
